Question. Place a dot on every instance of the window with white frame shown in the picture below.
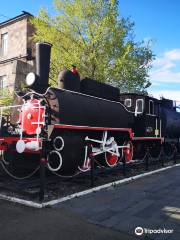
(139, 105)
(151, 107)
(4, 44)
(128, 102)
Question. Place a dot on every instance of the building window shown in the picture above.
(139, 106)
(4, 44)
(3, 82)
(151, 107)
(127, 102)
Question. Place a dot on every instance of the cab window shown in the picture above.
(139, 105)
(151, 107)
(128, 102)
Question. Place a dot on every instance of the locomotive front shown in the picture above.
(23, 131)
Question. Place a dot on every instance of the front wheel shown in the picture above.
(67, 153)
(20, 165)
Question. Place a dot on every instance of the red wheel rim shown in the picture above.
(111, 159)
(128, 152)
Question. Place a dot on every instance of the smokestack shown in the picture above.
(39, 81)
(43, 52)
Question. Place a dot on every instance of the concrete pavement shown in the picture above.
(18, 222)
(152, 203)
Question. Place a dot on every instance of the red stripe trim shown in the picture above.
(15, 139)
(63, 126)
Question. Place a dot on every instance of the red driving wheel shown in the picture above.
(111, 159)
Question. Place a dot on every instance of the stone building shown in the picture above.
(17, 50)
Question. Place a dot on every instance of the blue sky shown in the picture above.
(159, 20)
(154, 19)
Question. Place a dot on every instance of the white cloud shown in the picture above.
(169, 94)
(164, 68)
(165, 76)
(173, 54)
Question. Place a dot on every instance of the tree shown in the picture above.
(91, 35)
(6, 99)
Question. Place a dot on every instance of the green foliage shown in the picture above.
(91, 35)
(6, 99)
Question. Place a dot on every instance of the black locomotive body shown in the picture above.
(170, 120)
(84, 110)
(78, 114)
(75, 116)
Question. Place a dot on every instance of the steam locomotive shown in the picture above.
(62, 121)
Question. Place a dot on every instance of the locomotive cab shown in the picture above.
(147, 121)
